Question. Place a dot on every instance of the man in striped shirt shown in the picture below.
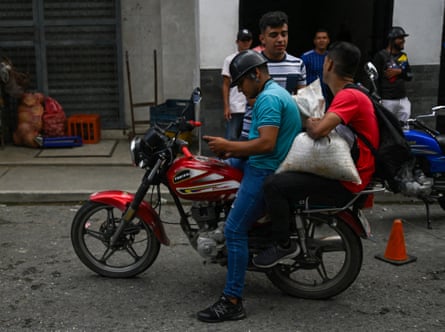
(285, 69)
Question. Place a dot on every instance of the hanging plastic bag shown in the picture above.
(310, 101)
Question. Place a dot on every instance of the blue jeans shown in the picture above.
(234, 126)
(248, 206)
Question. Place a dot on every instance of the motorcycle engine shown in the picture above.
(206, 214)
(210, 243)
(211, 234)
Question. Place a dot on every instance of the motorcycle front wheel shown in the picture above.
(134, 252)
(333, 263)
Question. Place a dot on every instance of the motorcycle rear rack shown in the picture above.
(373, 188)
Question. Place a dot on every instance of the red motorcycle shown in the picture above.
(118, 234)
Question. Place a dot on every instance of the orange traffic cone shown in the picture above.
(395, 249)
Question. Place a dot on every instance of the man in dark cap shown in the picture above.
(394, 69)
(275, 123)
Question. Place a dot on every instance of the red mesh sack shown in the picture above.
(54, 119)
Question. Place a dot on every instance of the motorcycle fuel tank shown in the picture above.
(422, 143)
(425, 146)
(203, 179)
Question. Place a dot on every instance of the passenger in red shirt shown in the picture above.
(353, 108)
(349, 107)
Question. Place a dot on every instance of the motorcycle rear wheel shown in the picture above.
(334, 262)
(91, 230)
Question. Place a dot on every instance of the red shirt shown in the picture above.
(356, 110)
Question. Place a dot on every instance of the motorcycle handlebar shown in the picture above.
(185, 150)
(195, 123)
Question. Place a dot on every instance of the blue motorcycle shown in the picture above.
(425, 177)
(428, 146)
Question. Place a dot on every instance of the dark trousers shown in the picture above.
(283, 190)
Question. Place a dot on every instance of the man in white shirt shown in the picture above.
(234, 102)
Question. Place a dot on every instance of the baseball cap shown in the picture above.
(244, 34)
(397, 32)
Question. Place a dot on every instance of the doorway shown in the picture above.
(362, 22)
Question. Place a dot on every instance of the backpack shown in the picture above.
(393, 154)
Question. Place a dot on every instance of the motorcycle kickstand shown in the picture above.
(428, 219)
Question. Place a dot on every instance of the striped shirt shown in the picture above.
(289, 72)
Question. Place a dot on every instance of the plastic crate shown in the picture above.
(164, 114)
(87, 126)
(61, 142)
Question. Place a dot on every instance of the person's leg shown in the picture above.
(284, 190)
(281, 192)
(392, 105)
(404, 110)
(234, 126)
(247, 207)
(238, 163)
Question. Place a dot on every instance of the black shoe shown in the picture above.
(273, 255)
(222, 310)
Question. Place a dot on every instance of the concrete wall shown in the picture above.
(423, 21)
(192, 37)
(218, 29)
(172, 29)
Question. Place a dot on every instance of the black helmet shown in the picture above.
(243, 62)
(397, 32)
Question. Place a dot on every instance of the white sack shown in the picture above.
(310, 101)
(328, 156)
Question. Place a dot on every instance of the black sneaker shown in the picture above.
(222, 310)
(273, 255)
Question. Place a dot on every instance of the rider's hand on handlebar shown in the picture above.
(218, 145)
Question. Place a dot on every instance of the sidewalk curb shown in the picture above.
(60, 196)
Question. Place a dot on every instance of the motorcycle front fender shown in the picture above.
(122, 199)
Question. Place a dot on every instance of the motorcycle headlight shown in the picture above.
(136, 152)
(144, 150)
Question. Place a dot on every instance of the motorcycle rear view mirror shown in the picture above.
(196, 99)
(371, 71)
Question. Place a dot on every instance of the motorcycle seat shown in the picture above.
(441, 140)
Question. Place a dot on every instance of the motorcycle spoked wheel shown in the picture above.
(91, 230)
(334, 262)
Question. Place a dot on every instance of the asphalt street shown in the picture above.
(44, 286)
